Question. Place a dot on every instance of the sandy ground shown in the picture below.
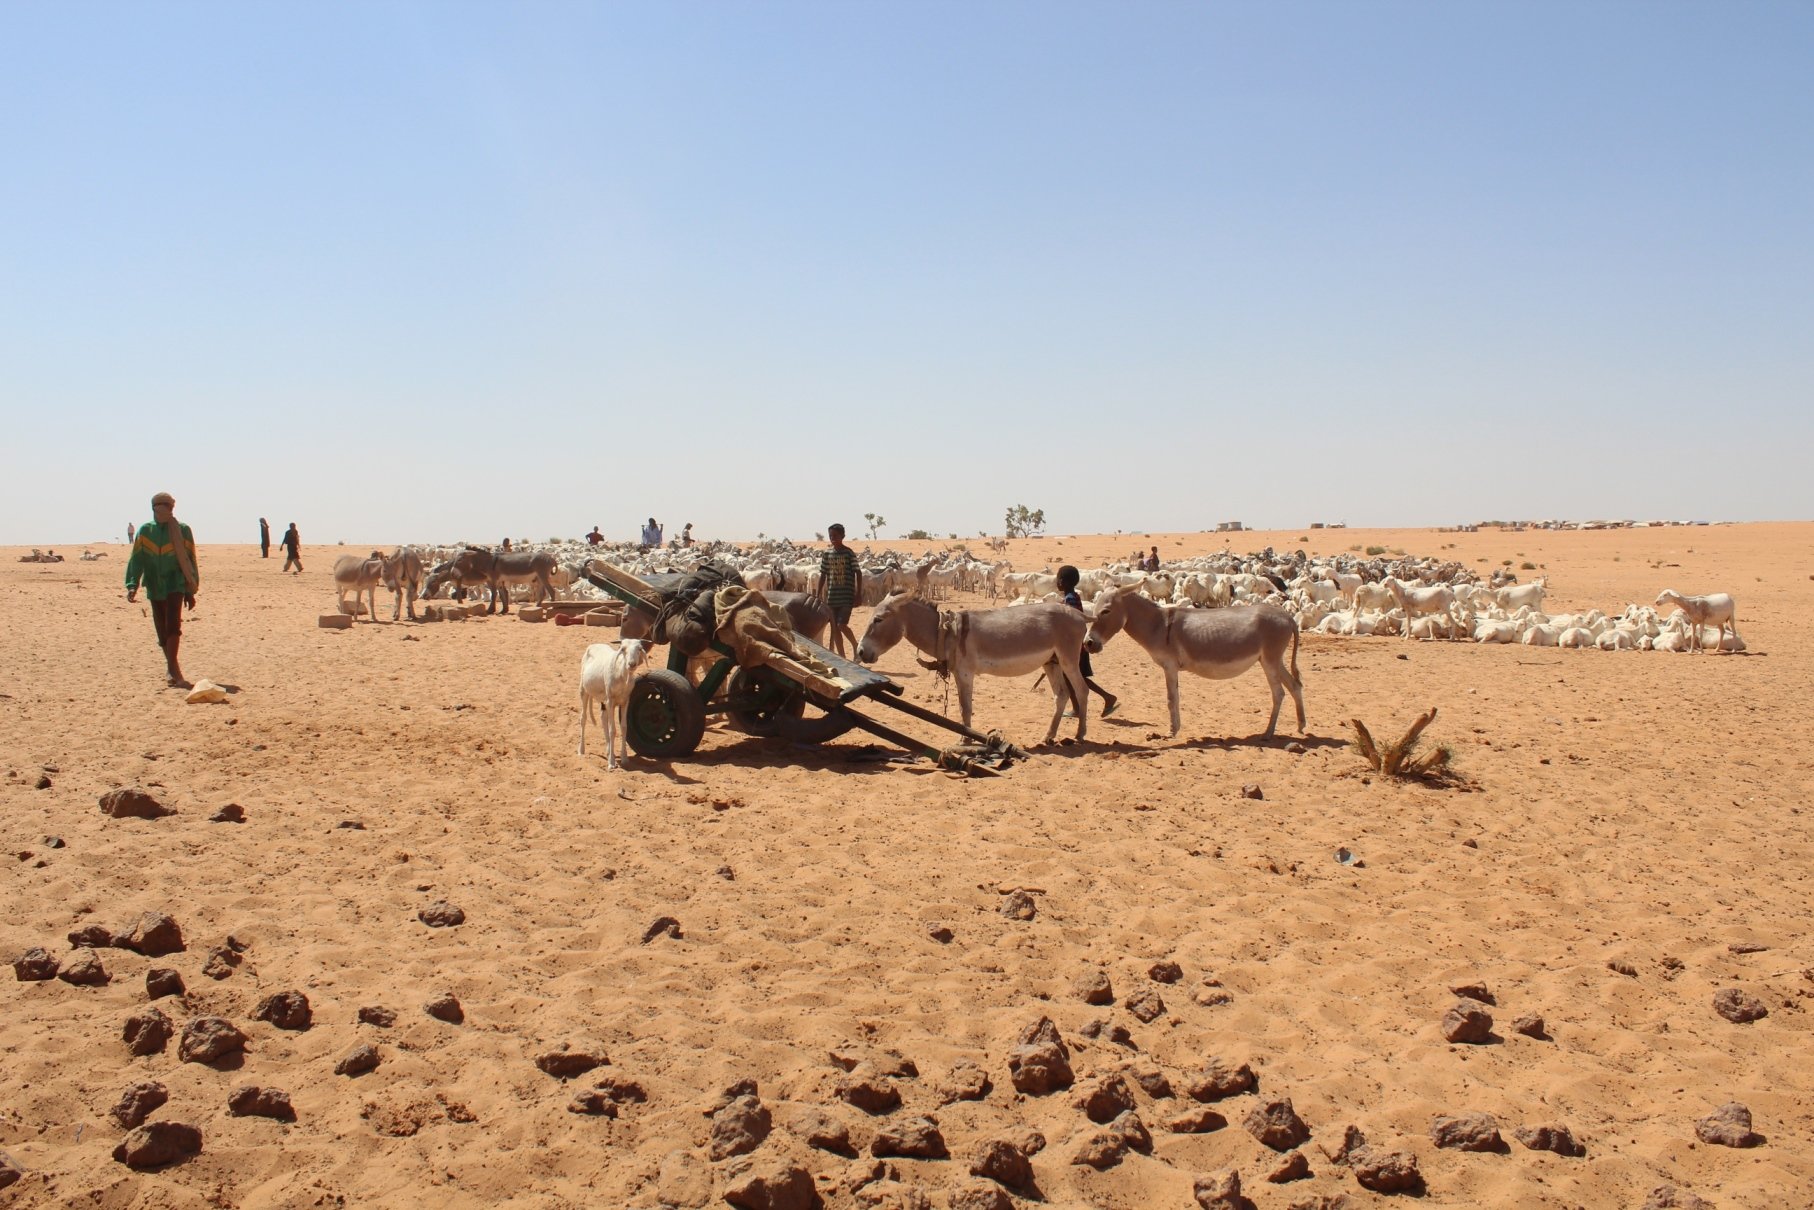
(1641, 809)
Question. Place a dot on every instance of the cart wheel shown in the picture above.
(828, 726)
(777, 697)
(665, 716)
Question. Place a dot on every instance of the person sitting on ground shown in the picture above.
(1152, 561)
(1067, 584)
(651, 534)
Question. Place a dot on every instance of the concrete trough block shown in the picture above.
(334, 621)
(530, 613)
(604, 617)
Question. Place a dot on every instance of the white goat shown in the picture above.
(1439, 598)
(1715, 609)
(606, 671)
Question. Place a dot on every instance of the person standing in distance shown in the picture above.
(839, 585)
(264, 538)
(292, 545)
(163, 560)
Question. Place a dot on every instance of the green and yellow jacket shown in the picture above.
(154, 561)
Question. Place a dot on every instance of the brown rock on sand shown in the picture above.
(1003, 1162)
(1668, 1197)
(153, 934)
(1277, 1125)
(964, 1082)
(1092, 986)
(777, 1185)
(739, 1127)
(209, 1039)
(147, 1033)
(83, 968)
(566, 1063)
(1220, 1079)
(1294, 1167)
(1386, 1171)
(1041, 1064)
(138, 1102)
(1467, 1022)
(445, 1007)
(35, 965)
(285, 1010)
(1558, 1139)
(161, 981)
(1739, 1007)
(132, 804)
(1146, 1005)
(252, 1101)
(1105, 1099)
(158, 1144)
(357, 1061)
(1728, 1126)
(1469, 1132)
(869, 1091)
(914, 1138)
(1221, 1191)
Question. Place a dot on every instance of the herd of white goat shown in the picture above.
(1413, 597)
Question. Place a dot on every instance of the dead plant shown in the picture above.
(1396, 759)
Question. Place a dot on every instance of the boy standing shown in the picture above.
(1067, 584)
(839, 585)
(163, 559)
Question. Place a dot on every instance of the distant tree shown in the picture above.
(1023, 522)
(920, 535)
(876, 521)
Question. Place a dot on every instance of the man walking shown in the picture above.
(292, 544)
(163, 559)
(839, 585)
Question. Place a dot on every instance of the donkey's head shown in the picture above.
(887, 626)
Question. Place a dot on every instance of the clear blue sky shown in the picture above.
(436, 271)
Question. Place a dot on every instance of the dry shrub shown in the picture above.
(1397, 759)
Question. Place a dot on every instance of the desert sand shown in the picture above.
(1626, 838)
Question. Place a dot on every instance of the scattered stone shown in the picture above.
(1220, 1192)
(978, 1195)
(1165, 971)
(1146, 1005)
(157, 1144)
(1277, 1125)
(231, 813)
(1092, 986)
(353, 825)
(161, 981)
(1131, 1128)
(1210, 997)
(1218, 1080)
(53, 842)
(1728, 1126)
(43, 782)
(445, 1007)
(147, 1033)
(94, 936)
(1294, 1167)
(964, 1082)
(222, 961)
(1747, 947)
(565, 1063)
(1386, 1171)
(1296, 748)
(778, 1185)
(373, 1014)
(1668, 1197)
(84, 969)
(35, 965)
(209, 1039)
(1201, 1120)
(662, 926)
(1352, 1141)
(1019, 906)
(139, 1102)
(739, 1127)
(1101, 1150)
(1470, 1132)
(1623, 967)
(441, 915)
(252, 1101)
(1467, 1023)
(868, 1091)
(823, 1131)
(285, 1010)
(133, 804)
(1152, 1081)
(1738, 1007)
(357, 1061)
(1104, 1100)
(915, 1138)
(745, 1087)
(1253, 791)
(1041, 1064)
(153, 934)
(1558, 1139)
(1003, 1162)
(939, 933)
(1531, 1026)
(1474, 991)
(1029, 1140)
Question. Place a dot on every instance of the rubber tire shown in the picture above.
(665, 717)
(828, 726)
(763, 680)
